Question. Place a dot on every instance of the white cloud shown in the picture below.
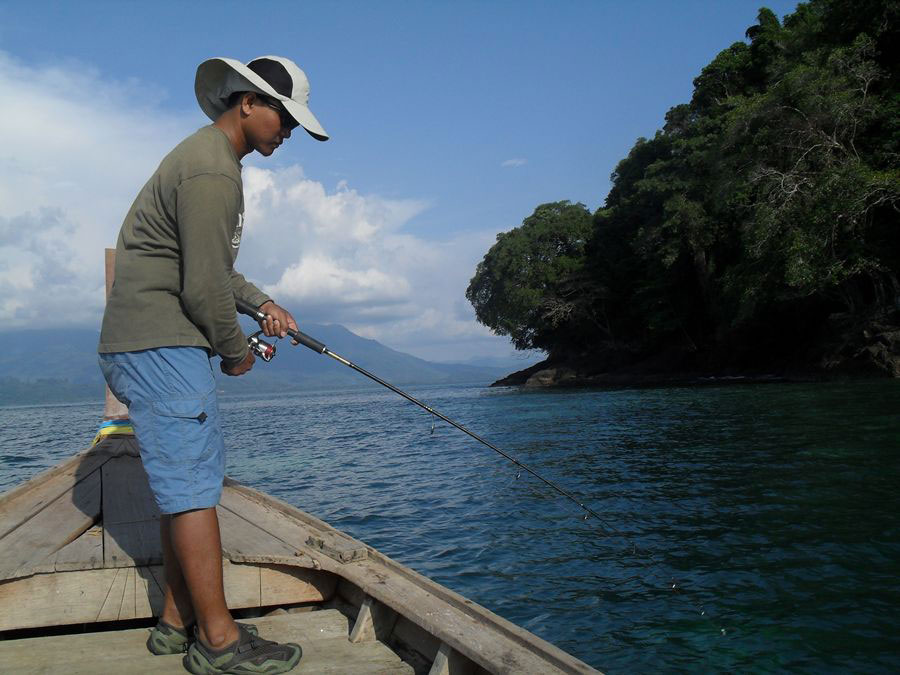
(74, 150)
(514, 162)
(343, 257)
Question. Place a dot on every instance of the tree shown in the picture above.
(820, 206)
(520, 288)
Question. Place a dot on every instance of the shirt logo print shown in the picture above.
(236, 239)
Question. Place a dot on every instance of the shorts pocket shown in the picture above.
(187, 408)
(185, 430)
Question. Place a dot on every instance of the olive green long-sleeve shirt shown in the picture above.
(175, 281)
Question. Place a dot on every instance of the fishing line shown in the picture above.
(267, 351)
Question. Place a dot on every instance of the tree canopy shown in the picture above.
(767, 204)
(520, 289)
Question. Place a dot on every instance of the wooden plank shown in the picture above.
(84, 553)
(111, 606)
(271, 515)
(128, 596)
(417, 640)
(318, 624)
(364, 626)
(374, 621)
(243, 539)
(126, 493)
(252, 585)
(75, 597)
(130, 514)
(130, 544)
(448, 661)
(85, 596)
(149, 595)
(241, 585)
(128, 609)
(342, 549)
(24, 502)
(53, 527)
(324, 652)
(127, 445)
(158, 573)
(283, 585)
(54, 599)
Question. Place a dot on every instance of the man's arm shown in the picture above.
(207, 208)
(246, 291)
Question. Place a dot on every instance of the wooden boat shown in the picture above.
(81, 579)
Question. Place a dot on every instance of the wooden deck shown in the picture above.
(322, 634)
(79, 547)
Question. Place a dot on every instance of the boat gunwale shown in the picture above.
(523, 638)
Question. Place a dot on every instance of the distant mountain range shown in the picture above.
(61, 365)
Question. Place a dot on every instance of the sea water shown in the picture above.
(743, 528)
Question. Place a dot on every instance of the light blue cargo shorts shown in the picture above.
(171, 397)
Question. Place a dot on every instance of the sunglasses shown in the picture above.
(287, 122)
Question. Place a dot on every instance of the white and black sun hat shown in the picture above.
(274, 76)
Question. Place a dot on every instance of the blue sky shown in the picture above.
(450, 122)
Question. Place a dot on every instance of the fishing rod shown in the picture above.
(267, 352)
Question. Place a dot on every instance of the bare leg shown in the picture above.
(197, 548)
(177, 610)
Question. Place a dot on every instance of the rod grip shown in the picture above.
(307, 341)
(245, 307)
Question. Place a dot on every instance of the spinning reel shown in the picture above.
(263, 349)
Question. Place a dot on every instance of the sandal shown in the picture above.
(167, 639)
(246, 655)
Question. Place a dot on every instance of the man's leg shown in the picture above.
(196, 574)
(221, 646)
(177, 608)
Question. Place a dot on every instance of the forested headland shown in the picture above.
(756, 234)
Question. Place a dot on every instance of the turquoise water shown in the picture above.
(772, 509)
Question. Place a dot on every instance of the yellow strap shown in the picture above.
(125, 429)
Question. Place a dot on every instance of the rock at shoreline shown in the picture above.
(553, 377)
(852, 350)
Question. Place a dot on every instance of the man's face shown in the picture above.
(266, 124)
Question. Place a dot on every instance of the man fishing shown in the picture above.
(171, 308)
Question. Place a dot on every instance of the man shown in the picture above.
(172, 307)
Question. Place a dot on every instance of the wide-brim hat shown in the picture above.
(274, 76)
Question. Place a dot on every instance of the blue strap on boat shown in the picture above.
(110, 427)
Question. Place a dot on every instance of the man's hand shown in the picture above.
(278, 320)
(241, 367)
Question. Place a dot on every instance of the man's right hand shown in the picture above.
(241, 367)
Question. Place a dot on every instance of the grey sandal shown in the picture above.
(167, 639)
(247, 655)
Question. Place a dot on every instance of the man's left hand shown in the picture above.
(277, 322)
